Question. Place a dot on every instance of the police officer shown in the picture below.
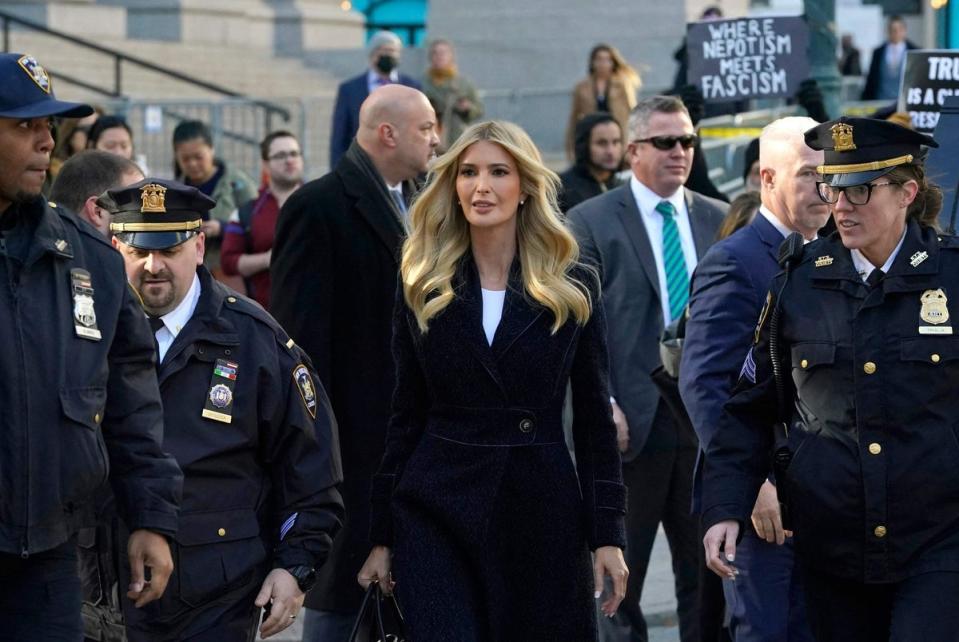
(79, 392)
(860, 328)
(246, 420)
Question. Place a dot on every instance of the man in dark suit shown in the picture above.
(885, 68)
(728, 291)
(384, 50)
(334, 268)
(645, 238)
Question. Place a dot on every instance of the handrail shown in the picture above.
(120, 57)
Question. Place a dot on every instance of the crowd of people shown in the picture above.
(436, 374)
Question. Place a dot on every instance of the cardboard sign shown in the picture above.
(929, 77)
(731, 60)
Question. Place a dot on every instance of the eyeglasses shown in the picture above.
(666, 143)
(855, 194)
(282, 156)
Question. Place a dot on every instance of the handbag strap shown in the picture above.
(367, 605)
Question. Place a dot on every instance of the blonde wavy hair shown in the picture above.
(440, 236)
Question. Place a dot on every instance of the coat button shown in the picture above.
(875, 449)
(869, 367)
(935, 358)
(96, 418)
(804, 364)
(231, 299)
(221, 532)
(880, 532)
(526, 425)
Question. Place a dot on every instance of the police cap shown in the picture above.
(155, 214)
(26, 91)
(859, 150)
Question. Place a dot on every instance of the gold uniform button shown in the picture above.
(96, 418)
(935, 358)
(804, 363)
(221, 532)
(880, 532)
(231, 299)
(875, 449)
(869, 367)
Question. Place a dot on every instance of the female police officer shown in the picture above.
(860, 335)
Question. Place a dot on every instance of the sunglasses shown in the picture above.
(855, 194)
(665, 143)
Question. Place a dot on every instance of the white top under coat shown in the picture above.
(492, 311)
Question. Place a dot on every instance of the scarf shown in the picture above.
(358, 157)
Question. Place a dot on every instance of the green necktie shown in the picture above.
(674, 262)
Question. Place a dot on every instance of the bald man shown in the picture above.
(728, 291)
(334, 271)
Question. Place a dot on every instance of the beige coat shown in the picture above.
(584, 102)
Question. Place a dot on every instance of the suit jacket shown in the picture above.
(346, 113)
(334, 269)
(871, 89)
(729, 288)
(612, 236)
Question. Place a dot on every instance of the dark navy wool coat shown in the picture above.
(490, 522)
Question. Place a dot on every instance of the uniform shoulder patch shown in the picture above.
(304, 383)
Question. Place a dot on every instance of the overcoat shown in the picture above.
(871, 373)
(490, 522)
(335, 261)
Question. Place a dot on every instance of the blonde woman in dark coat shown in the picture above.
(480, 519)
(612, 85)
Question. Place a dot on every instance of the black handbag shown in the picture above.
(379, 619)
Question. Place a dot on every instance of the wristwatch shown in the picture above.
(305, 576)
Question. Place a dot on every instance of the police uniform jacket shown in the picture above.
(476, 492)
(871, 370)
(76, 409)
(261, 464)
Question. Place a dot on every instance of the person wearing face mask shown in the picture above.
(384, 50)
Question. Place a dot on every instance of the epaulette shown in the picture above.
(948, 242)
(245, 305)
(81, 226)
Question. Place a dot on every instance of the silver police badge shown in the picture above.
(83, 310)
(221, 396)
(36, 71)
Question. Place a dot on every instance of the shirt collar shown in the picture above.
(647, 199)
(372, 78)
(175, 319)
(865, 268)
(775, 222)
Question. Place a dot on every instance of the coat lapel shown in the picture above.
(372, 208)
(630, 217)
(519, 314)
(769, 235)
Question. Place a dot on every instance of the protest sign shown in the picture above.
(732, 60)
(929, 77)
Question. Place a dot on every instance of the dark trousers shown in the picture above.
(766, 602)
(40, 596)
(924, 608)
(660, 481)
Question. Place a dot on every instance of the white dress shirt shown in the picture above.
(864, 267)
(373, 79)
(492, 311)
(175, 319)
(895, 54)
(646, 201)
(775, 222)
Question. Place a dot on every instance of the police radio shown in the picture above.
(790, 253)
